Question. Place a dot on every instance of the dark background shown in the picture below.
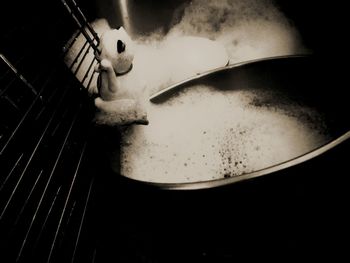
(300, 215)
(322, 24)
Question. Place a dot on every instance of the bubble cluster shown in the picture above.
(204, 134)
(246, 30)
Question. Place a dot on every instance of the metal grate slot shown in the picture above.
(92, 63)
(86, 23)
(46, 184)
(27, 117)
(82, 221)
(84, 61)
(30, 158)
(70, 43)
(51, 182)
(84, 27)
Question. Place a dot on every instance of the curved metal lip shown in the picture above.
(227, 181)
(268, 170)
(158, 94)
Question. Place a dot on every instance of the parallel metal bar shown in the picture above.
(66, 203)
(40, 112)
(93, 32)
(66, 224)
(29, 196)
(47, 184)
(47, 102)
(15, 63)
(31, 158)
(90, 80)
(11, 102)
(3, 91)
(18, 74)
(81, 27)
(70, 214)
(78, 55)
(60, 122)
(82, 219)
(88, 70)
(25, 115)
(67, 47)
(46, 218)
(82, 60)
(9, 175)
(19, 181)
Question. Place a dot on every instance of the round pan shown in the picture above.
(300, 79)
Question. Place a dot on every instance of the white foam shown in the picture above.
(249, 29)
(205, 134)
(200, 134)
(245, 30)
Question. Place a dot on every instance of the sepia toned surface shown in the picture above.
(59, 200)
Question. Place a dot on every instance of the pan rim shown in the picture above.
(267, 170)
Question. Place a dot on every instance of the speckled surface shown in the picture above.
(205, 134)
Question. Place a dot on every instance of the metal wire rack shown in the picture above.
(46, 184)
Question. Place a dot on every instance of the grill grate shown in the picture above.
(46, 180)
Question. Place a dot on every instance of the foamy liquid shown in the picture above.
(205, 134)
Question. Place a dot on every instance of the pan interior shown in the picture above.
(220, 127)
